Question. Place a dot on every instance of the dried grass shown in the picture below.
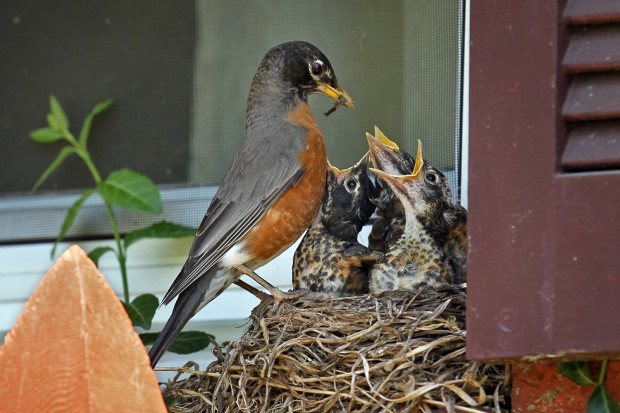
(400, 351)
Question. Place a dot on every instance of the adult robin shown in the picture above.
(329, 258)
(451, 227)
(418, 257)
(272, 189)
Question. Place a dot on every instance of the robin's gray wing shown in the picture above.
(266, 165)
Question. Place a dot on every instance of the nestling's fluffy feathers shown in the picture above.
(329, 257)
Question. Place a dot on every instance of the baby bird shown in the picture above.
(390, 223)
(329, 258)
(418, 257)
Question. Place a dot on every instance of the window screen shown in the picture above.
(179, 73)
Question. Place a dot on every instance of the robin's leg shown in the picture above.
(278, 295)
(255, 291)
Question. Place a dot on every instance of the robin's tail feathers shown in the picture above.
(189, 302)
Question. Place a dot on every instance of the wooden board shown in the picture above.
(73, 348)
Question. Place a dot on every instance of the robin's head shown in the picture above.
(424, 192)
(386, 156)
(346, 202)
(301, 68)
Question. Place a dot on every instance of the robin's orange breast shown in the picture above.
(292, 213)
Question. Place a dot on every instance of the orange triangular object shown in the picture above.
(73, 348)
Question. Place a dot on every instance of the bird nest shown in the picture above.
(391, 352)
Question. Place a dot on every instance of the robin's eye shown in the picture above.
(317, 68)
(431, 177)
(351, 184)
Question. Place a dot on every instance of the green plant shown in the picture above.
(125, 189)
(600, 401)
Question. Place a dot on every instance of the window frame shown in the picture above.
(20, 215)
(154, 262)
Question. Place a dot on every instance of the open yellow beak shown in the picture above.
(396, 181)
(384, 139)
(400, 181)
(419, 162)
(336, 94)
(338, 173)
(341, 173)
(374, 148)
(335, 170)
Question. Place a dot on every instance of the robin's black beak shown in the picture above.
(336, 93)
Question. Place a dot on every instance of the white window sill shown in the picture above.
(152, 266)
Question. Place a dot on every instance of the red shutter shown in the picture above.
(544, 184)
(592, 106)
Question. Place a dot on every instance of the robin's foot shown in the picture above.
(278, 295)
(252, 290)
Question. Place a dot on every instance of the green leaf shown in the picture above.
(186, 343)
(70, 217)
(142, 309)
(601, 402)
(58, 113)
(99, 107)
(190, 342)
(169, 400)
(53, 123)
(98, 252)
(161, 229)
(577, 371)
(148, 338)
(131, 190)
(64, 152)
(46, 135)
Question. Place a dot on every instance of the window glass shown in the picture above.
(398, 60)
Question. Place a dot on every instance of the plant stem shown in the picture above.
(122, 258)
(83, 153)
(601, 376)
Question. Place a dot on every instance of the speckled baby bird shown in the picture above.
(329, 258)
(390, 223)
(418, 257)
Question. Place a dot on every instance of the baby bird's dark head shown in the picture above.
(424, 192)
(388, 157)
(346, 204)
